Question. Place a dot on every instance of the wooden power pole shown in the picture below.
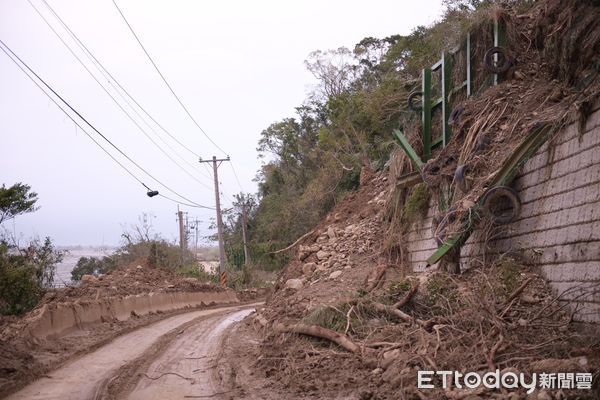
(182, 243)
(215, 164)
(244, 223)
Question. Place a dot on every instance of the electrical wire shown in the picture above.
(115, 100)
(236, 177)
(165, 80)
(74, 121)
(185, 204)
(90, 54)
(90, 125)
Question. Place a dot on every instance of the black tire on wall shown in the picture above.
(493, 197)
(411, 101)
(504, 61)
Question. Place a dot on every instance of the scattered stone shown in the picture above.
(331, 233)
(321, 239)
(309, 268)
(294, 284)
(304, 252)
(88, 278)
(335, 274)
(261, 320)
(389, 357)
(322, 255)
(321, 267)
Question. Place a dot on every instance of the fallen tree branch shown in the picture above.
(408, 296)
(379, 273)
(348, 324)
(320, 332)
(518, 291)
(293, 244)
(490, 358)
(427, 325)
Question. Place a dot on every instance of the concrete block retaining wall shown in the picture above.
(558, 228)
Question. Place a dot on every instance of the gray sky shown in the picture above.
(237, 66)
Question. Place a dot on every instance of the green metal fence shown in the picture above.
(445, 66)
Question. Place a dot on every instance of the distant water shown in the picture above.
(62, 277)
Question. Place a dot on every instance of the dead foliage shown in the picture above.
(502, 316)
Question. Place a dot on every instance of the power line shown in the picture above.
(236, 177)
(90, 54)
(92, 126)
(115, 100)
(165, 81)
(74, 121)
(185, 204)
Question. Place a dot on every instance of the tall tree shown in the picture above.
(15, 200)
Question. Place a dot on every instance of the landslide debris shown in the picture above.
(348, 281)
(132, 279)
(502, 315)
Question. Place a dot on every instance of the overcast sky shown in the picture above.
(236, 65)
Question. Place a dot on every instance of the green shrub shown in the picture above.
(194, 270)
(19, 291)
(24, 274)
(92, 266)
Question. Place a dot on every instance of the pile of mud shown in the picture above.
(132, 279)
(336, 254)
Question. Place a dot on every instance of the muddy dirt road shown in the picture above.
(172, 358)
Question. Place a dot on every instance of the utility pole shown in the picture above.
(187, 231)
(181, 233)
(244, 223)
(215, 164)
(196, 227)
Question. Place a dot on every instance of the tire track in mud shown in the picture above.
(92, 375)
(186, 366)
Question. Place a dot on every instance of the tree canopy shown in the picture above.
(16, 200)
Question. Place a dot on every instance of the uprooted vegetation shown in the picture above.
(472, 321)
(348, 298)
(497, 316)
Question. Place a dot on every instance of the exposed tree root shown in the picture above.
(320, 332)
(413, 290)
(427, 325)
(375, 278)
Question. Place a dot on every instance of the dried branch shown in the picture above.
(320, 332)
(293, 244)
(408, 296)
(427, 325)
